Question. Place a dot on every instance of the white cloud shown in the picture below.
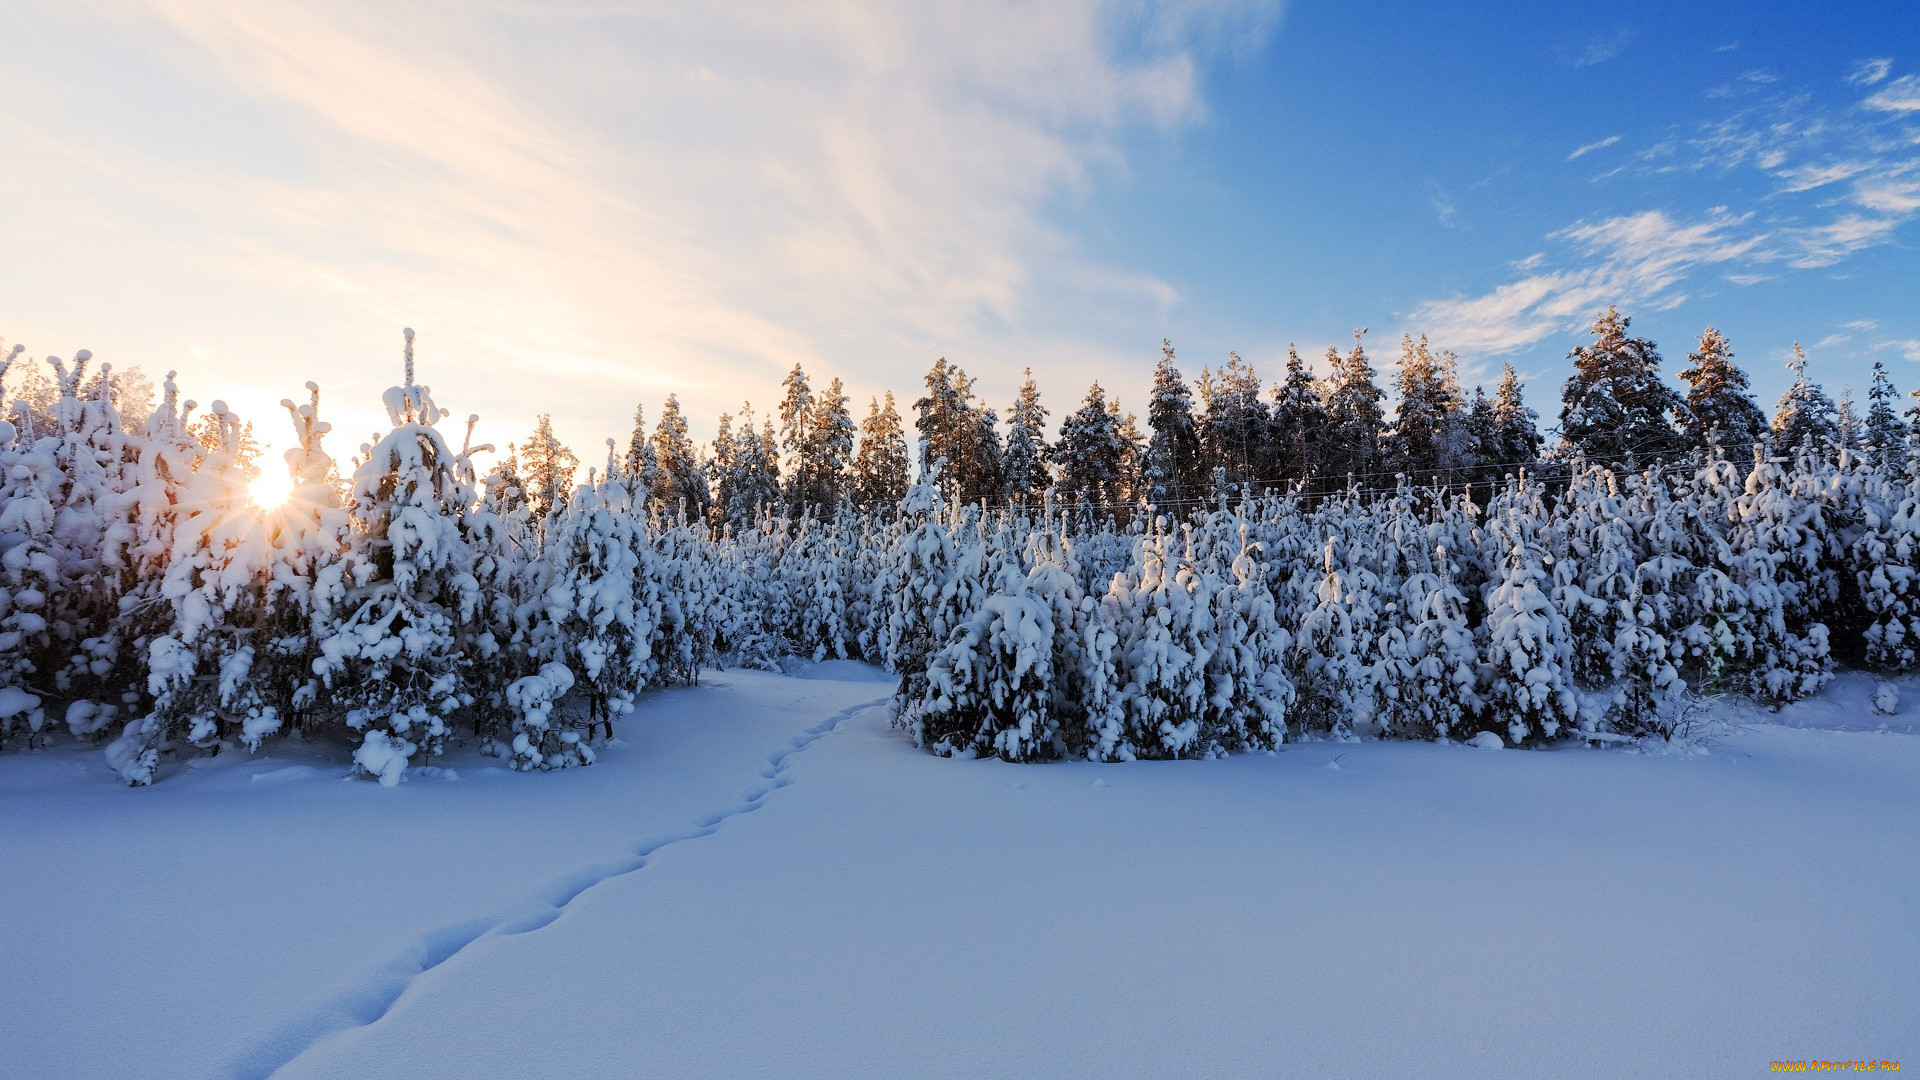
(1868, 72)
(1863, 326)
(1902, 95)
(1603, 48)
(1825, 245)
(1630, 259)
(1808, 177)
(1889, 196)
(1908, 348)
(636, 197)
(1589, 148)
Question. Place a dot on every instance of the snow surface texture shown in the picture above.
(764, 879)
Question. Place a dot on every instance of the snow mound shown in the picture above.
(1487, 740)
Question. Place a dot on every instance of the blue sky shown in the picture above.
(585, 204)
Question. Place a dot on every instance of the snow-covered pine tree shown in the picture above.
(1354, 416)
(682, 477)
(1090, 457)
(1249, 696)
(1298, 422)
(989, 686)
(1235, 426)
(1026, 458)
(1886, 436)
(829, 457)
(642, 463)
(1721, 411)
(390, 660)
(1425, 438)
(546, 470)
(1175, 473)
(1525, 648)
(1805, 414)
(201, 670)
(1334, 648)
(1163, 620)
(882, 468)
(1616, 406)
(955, 428)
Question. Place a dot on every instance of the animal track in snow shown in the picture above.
(369, 1004)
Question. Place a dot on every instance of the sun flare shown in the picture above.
(270, 490)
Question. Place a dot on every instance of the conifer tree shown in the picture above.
(881, 470)
(1091, 454)
(955, 428)
(1354, 414)
(1299, 423)
(1427, 436)
(682, 477)
(1027, 477)
(1720, 410)
(1805, 415)
(1885, 435)
(546, 469)
(1616, 406)
(642, 462)
(1174, 470)
(1234, 425)
(1515, 436)
(390, 662)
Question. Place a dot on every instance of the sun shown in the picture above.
(270, 489)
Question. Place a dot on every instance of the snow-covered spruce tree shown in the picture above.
(1163, 619)
(881, 469)
(1175, 473)
(30, 573)
(1248, 693)
(1438, 690)
(601, 639)
(390, 661)
(1087, 708)
(642, 464)
(308, 577)
(1886, 435)
(920, 592)
(1889, 578)
(989, 687)
(1354, 415)
(813, 610)
(1721, 411)
(546, 470)
(1593, 570)
(1298, 423)
(111, 519)
(201, 671)
(1027, 476)
(1649, 695)
(1616, 406)
(1334, 649)
(1805, 413)
(1525, 650)
(1775, 550)
(1235, 426)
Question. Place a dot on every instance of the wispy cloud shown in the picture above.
(1902, 95)
(1445, 209)
(1602, 144)
(1868, 72)
(1630, 259)
(641, 196)
(1599, 49)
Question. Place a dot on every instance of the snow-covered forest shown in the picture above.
(1251, 565)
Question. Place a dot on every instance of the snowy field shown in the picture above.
(762, 879)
